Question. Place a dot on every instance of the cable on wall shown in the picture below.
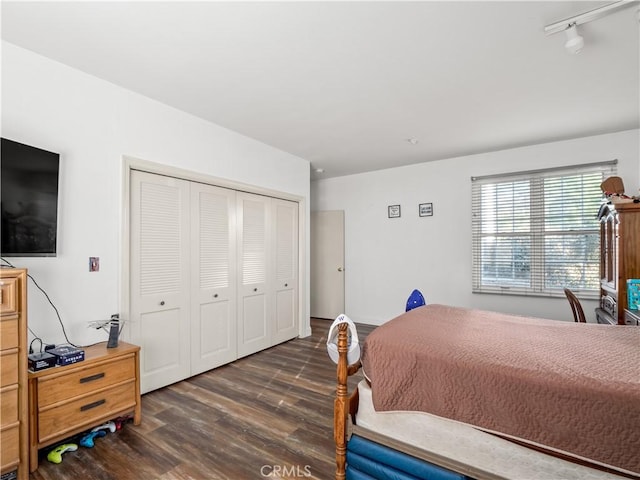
(64, 331)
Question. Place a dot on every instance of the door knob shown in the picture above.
(255, 289)
(340, 269)
(215, 295)
(162, 302)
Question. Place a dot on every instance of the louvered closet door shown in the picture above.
(159, 262)
(213, 277)
(285, 271)
(253, 266)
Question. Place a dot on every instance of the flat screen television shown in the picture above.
(29, 200)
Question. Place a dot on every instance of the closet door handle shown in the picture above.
(162, 302)
(255, 289)
(286, 284)
(215, 295)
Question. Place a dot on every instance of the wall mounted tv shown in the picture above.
(29, 200)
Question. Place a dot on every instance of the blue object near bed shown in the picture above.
(367, 460)
(415, 300)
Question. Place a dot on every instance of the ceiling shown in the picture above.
(345, 84)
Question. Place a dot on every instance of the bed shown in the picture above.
(476, 394)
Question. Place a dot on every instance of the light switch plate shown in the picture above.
(94, 264)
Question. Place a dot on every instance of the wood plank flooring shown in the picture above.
(269, 415)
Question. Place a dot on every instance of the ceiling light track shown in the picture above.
(589, 16)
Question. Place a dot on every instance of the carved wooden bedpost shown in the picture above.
(340, 409)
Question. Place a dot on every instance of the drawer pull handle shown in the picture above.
(91, 378)
(89, 406)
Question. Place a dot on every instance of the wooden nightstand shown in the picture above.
(64, 401)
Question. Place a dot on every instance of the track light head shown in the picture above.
(574, 41)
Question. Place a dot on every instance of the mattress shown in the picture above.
(571, 387)
(461, 447)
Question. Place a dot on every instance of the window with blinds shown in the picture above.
(536, 232)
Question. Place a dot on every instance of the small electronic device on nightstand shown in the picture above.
(114, 328)
(114, 331)
(66, 355)
(40, 361)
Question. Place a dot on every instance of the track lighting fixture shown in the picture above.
(570, 25)
(574, 41)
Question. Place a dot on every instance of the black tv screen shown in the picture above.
(29, 204)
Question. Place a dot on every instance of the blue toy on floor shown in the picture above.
(87, 440)
(415, 300)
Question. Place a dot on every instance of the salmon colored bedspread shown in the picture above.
(570, 386)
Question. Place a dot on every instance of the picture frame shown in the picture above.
(425, 209)
(393, 211)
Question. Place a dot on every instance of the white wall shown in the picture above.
(385, 259)
(93, 124)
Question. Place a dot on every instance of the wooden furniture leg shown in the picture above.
(340, 404)
(344, 405)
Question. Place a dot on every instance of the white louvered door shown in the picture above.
(213, 277)
(253, 230)
(285, 272)
(160, 277)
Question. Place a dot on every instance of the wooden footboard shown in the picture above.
(344, 404)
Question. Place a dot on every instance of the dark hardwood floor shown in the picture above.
(269, 415)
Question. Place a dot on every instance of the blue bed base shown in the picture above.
(368, 460)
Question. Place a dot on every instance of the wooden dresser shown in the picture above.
(64, 401)
(619, 258)
(13, 372)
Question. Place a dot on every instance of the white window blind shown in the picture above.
(536, 232)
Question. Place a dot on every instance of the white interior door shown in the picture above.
(159, 254)
(253, 220)
(327, 264)
(213, 277)
(285, 260)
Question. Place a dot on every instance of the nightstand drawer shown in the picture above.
(8, 368)
(57, 388)
(84, 411)
(8, 295)
(8, 333)
(8, 406)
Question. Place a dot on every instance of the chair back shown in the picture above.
(576, 307)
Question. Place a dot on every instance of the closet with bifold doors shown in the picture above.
(214, 275)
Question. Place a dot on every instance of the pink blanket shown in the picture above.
(570, 386)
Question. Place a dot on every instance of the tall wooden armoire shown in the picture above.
(619, 258)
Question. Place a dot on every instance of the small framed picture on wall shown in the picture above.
(394, 211)
(425, 209)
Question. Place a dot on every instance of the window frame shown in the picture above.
(536, 232)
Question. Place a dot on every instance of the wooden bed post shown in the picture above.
(340, 409)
